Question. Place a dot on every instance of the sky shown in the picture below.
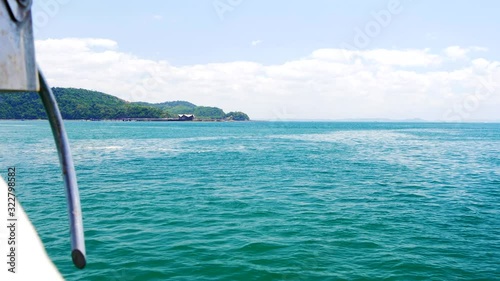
(282, 60)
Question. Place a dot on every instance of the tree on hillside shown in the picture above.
(237, 116)
(207, 112)
(87, 104)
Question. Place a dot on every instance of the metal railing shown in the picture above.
(19, 73)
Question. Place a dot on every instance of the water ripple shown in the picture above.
(269, 201)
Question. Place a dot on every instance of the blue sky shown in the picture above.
(204, 38)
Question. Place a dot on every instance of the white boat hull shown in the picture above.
(29, 260)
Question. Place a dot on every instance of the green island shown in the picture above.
(81, 104)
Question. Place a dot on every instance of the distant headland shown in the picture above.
(82, 104)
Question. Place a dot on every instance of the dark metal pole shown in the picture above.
(69, 174)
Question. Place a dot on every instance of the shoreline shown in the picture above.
(136, 120)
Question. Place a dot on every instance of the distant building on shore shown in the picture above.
(186, 117)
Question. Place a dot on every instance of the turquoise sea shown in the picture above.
(267, 200)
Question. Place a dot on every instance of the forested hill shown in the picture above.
(86, 104)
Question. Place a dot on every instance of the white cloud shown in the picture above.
(457, 52)
(256, 42)
(402, 57)
(157, 17)
(478, 49)
(327, 84)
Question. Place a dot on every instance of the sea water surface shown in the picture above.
(267, 200)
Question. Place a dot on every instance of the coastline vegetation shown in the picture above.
(82, 104)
